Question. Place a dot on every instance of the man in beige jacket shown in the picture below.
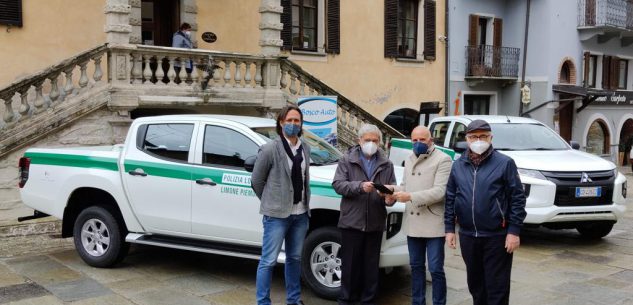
(423, 186)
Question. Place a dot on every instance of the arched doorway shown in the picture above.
(598, 138)
(403, 120)
(626, 140)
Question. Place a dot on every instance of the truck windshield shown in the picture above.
(321, 152)
(525, 137)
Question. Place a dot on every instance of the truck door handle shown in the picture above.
(137, 172)
(206, 181)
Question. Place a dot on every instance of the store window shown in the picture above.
(598, 138)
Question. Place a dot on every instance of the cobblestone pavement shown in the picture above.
(551, 267)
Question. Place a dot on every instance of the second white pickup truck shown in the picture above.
(183, 182)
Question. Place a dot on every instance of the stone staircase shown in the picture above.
(125, 78)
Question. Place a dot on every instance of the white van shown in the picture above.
(565, 188)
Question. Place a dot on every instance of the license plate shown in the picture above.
(588, 191)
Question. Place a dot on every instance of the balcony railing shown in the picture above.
(491, 61)
(605, 13)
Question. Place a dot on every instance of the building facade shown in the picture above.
(388, 66)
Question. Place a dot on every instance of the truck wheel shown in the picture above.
(320, 262)
(99, 237)
(595, 230)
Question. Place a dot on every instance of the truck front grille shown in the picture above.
(566, 183)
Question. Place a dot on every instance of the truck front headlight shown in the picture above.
(531, 173)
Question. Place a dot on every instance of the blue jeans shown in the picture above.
(418, 248)
(293, 230)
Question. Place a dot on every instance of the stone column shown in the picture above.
(117, 26)
(270, 27)
(135, 22)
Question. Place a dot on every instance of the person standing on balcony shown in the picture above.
(423, 187)
(363, 215)
(182, 39)
(281, 181)
(485, 196)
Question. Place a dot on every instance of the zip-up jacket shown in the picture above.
(487, 200)
(359, 210)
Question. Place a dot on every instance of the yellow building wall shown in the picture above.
(53, 30)
(361, 72)
(235, 22)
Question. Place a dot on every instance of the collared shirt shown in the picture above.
(368, 164)
(298, 208)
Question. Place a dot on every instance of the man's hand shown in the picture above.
(368, 187)
(402, 196)
(512, 242)
(390, 200)
(451, 241)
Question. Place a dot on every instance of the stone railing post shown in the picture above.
(117, 25)
(270, 27)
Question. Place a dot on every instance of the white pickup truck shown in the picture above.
(184, 182)
(566, 188)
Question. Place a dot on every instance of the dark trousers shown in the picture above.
(488, 268)
(360, 257)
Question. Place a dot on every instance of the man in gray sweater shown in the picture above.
(281, 181)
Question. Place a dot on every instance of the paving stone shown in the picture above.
(8, 277)
(199, 284)
(45, 300)
(167, 297)
(231, 297)
(127, 288)
(83, 288)
(21, 291)
(104, 300)
(592, 293)
(625, 275)
(102, 275)
(42, 269)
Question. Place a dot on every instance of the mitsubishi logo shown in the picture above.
(584, 178)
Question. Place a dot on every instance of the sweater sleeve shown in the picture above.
(342, 184)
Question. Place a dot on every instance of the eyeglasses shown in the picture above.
(482, 137)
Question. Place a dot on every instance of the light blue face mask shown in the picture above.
(292, 130)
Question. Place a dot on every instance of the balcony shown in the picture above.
(490, 62)
(607, 19)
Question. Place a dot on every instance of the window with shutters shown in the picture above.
(623, 74)
(410, 29)
(407, 28)
(311, 25)
(11, 12)
(591, 71)
(304, 25)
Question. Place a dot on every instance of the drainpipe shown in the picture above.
(447, 94)
(525, 45)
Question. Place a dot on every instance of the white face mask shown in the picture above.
(369, 148)
(479, 147)
(188, 33)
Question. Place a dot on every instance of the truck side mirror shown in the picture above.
(574, 145)
(460, 147)
(249, 163)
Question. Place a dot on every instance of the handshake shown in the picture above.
(386, 191)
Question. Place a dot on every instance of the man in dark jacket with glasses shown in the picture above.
(484, 195)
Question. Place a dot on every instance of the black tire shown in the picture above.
(325, 238)
(595, 230)
(107, 226)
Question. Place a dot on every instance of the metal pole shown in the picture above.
(447, 94)
(525, 46)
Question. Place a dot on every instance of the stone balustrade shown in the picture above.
(128, 77)
(30, 96)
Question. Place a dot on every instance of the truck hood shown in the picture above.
(327, 172)
(559, 160)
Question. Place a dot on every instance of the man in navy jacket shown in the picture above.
(484, 195)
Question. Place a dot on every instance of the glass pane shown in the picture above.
(310, 3)
(309, 17)
(410, 29)
(295, 2)
(410, 48)
(169, 140)
(459, 134)
(296, 40)
(525, 137)
(439, 131)
(309, 38)
(411, 12)
(147, 11)
(321, 152)
(295, 16)
(226, 147)
(592, 71)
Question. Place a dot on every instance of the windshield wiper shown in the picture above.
(545, 148)
(505, 148)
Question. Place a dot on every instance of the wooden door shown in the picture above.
(160, 20)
